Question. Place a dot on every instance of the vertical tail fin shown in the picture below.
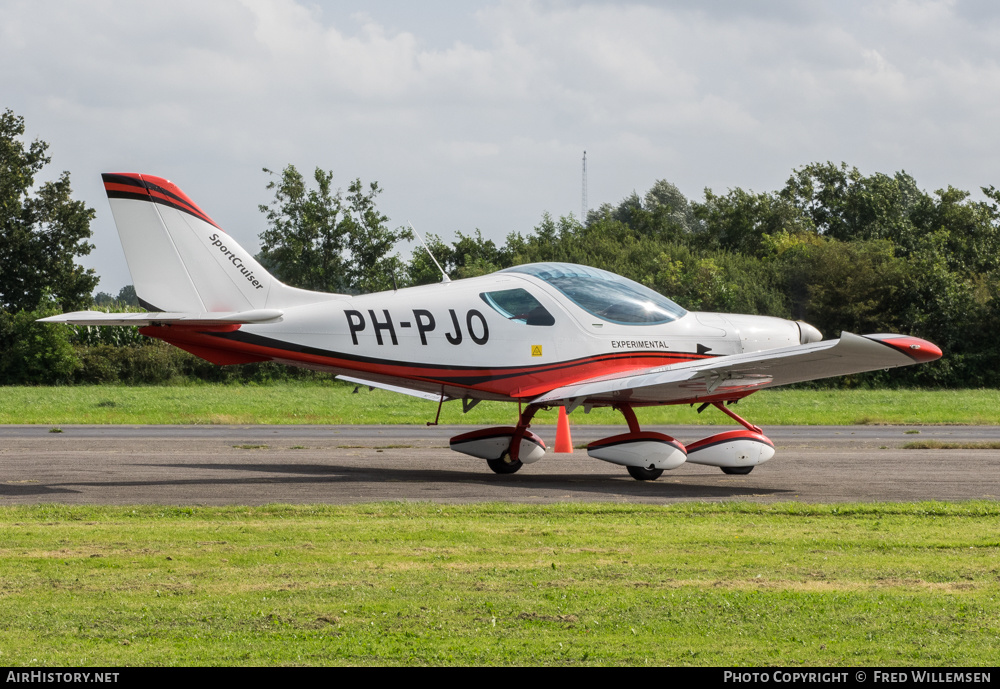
(181, 260)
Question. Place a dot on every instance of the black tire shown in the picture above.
(741, 471)
(504, 465)
(641, 474)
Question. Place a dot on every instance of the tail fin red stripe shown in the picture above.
(155, 189)
(156, 194)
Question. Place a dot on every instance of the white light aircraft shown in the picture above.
(543, 335)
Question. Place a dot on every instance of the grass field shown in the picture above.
(720, 584)
(335, 404)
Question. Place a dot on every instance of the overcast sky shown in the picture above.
(475, 114)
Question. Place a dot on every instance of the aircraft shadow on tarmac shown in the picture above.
(596, 485)
(20, 490)
(465, 482)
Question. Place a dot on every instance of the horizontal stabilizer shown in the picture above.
(167, 318)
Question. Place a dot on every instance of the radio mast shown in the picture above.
(583, 201)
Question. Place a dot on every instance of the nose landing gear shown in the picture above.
(735, 452)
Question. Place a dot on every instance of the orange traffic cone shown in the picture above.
(564, 443)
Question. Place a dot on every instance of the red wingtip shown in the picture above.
(920, 350)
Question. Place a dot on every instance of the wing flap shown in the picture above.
(740, 374)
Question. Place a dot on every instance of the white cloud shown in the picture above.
(476, 115)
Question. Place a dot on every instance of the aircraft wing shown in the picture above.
(432, 396)
(165, 318)
(739, 374)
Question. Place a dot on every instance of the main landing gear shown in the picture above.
(646, 455)
(505, 448)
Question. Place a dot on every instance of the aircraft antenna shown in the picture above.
(583, 202)
(444, 275)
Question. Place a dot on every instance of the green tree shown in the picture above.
(667, 198)
(42, 230)
(317, 239)
(474, 255)
(371, 267)
(972, 244)
(846, 205)
(421, 269)
(740, 220)
(127, 296)
(836, 286)
(468, 256)
(660, 253)
(103, 299)
(35, 353)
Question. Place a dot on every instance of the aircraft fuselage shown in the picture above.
(437, 337)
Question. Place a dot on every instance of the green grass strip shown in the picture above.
(502, 584)
(336, 404)
(943, 445)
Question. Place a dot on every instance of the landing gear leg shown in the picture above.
(736, 417)
(626, 410)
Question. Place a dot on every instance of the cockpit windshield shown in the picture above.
(608, 296)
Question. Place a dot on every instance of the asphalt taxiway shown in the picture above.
(222, 465)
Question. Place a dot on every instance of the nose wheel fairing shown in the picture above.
(731, 450)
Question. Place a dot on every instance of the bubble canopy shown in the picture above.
(608, 296)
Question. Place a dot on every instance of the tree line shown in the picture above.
(837, 248)
(834, 247)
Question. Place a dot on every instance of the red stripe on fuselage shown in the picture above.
(515, 382)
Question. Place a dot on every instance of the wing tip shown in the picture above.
(921, 351)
